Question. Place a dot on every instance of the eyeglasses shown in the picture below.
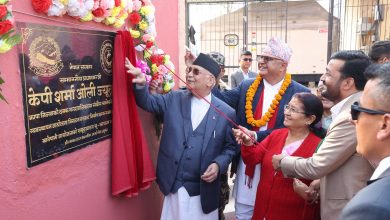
(267, 59)
(356, 110)
(194, 70)
(247, 59)
(292, 109)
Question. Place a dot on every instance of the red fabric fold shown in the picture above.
(250, 169)
(132, 168)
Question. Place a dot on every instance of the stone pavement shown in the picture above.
(229, 209)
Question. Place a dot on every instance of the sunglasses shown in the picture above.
(194, 70)
(356, 110)
(267, 59)
(247, 59)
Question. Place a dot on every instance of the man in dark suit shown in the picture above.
(372, 119)
(196, 144)
(274, 82)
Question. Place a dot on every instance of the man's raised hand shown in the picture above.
(139, 78)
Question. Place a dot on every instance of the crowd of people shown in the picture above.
(293, 154)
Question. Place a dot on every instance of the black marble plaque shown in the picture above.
(67, 88)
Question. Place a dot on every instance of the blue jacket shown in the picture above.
(218, 145)
(236, 99)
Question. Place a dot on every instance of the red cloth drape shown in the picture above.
(132, 168)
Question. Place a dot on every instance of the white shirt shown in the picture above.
(241, 192)
(269, 94)
(337, 108)
(199, 109)
(245, 74)
(382, 167)
(180, 205)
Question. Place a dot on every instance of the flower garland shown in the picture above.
(161, 68)
(143, 31)
(7, 38)
(108, 12)
(141, 22)
(271, 110)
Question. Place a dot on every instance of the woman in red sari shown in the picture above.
(276, 198)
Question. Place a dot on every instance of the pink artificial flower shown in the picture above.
(137, 5)
(147, 2)
(146, 37)
(143, 66)
(148, 78)
(162, 69)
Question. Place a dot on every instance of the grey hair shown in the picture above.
(382, 89)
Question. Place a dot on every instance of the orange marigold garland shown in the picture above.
(271, 110)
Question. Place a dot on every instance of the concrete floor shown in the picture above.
(229, 208)
(230, 216)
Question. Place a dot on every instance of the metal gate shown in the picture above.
(314, 29)
(361, 23)
(230, 27)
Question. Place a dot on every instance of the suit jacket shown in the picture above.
(218, 144)
(236, 98)
(372, 202)
(342, 170)
(237, 77)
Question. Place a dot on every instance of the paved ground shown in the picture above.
(229, 209)
(230, 216)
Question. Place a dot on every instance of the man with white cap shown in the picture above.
(196, 144)
(259, 106)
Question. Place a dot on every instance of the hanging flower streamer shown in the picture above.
(109, 12)
(7, 37)
(137, 14)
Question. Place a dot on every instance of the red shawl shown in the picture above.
(250, 169)
(132, 167)
(275, 196)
